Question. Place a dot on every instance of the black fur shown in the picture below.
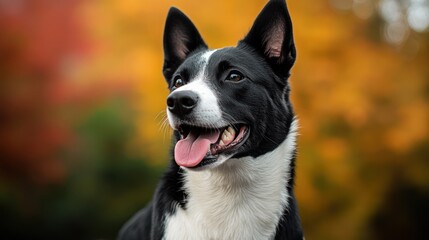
(181, 38)
(261, 100)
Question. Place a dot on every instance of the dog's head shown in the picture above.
(230, 102)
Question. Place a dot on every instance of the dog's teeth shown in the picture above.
(221, 143)
(227, 136)
(231, 130)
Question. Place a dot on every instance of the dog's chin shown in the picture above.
(210, 162)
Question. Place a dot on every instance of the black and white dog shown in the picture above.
(232, 174)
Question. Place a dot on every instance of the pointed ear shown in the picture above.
(271, 35)
(181, 38)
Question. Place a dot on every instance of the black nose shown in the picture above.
(181, 103)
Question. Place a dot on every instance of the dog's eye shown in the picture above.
(235, 76)
(178, 82)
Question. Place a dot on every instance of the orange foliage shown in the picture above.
(359, 101)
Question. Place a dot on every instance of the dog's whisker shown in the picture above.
(163, 125)
(269, 139)
(166, 129)
(161, 114)
(228, 117)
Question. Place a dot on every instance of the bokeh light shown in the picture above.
(399, 16)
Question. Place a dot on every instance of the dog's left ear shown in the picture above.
(271, 35)
(181, 38)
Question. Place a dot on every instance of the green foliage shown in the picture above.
(104, 187)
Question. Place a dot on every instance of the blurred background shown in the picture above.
(82, 140)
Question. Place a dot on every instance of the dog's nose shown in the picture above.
(181, 103)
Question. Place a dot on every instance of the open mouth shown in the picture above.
(200, 146)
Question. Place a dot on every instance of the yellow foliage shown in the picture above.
(360, 102)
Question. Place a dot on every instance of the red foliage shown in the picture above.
(38, 41)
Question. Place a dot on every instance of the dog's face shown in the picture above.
(230, 102)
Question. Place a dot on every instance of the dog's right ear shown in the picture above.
(181, 38)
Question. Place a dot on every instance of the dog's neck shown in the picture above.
(242, 196)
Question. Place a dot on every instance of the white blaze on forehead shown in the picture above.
(207, 112)
(206, 56)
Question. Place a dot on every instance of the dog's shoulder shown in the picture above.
(290, 224)
(148, 223)
(139, 226)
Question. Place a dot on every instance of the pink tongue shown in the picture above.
(189, 152)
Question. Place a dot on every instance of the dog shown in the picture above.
(233, 166)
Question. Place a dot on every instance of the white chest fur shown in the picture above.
(241, 199)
